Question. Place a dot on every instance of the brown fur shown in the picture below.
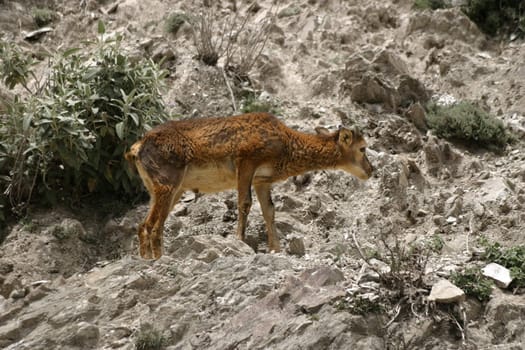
(216, 154)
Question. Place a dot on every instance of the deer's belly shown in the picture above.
(212, 177)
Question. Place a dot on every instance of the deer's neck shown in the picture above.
(312, 152)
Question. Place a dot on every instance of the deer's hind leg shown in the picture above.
(263, 192)
(163, 199)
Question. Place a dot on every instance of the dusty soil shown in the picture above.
(71, 279)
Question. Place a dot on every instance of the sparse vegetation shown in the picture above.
(174, 22)
(67, 138)
(406, 268)
(215, 39)
(512, 258)
(473, 283)
(149, 338)
(252, 104)
(360, 305)
(497, 17)
(429, 4)
(42, 16)
(466, 122)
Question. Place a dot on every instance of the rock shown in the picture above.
(69, 229)
(505, 312)
(84, 335)
(412, 91)
(478, 209)
(454, 206)
(295, 245)
(500, 274)
(322, 276)
(445, 292)
(36, 34)
(291, 10)
(416, 114)
(164, 53)
(380, 266)
(207, 247)
(440, 157)
(451, 220)
(372, 89)
(449, 23)
(18, 293)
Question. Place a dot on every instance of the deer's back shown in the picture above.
(209, 148)
(201, 140)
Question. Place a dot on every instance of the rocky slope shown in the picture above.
(72, 280)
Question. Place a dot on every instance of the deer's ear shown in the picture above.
(322, 131)
(345, 136)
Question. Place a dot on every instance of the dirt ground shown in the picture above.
(72, 279)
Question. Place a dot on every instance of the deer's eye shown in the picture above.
(362, 149)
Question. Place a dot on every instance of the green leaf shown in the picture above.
(27, 122)
(119, 128)
(71, 51)
(101, 27)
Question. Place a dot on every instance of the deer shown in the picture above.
(208, 155)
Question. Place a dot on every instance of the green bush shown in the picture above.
(174, 22)
(497, 17)
(42, 16)
(466, 122)
(473, 283)
(68, 137)
(429, 4)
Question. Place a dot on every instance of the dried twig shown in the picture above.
(234, 105)
(398, 311)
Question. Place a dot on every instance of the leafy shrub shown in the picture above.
(497, 17)
(473, 283)
(466, 122)
(148, 338)
(42, 16)
(67, 139)
(174, 22)
(429, 4)
(512, 258)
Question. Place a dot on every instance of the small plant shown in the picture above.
(429, 4)
(497, 17)
(466, 122)
(149, 338)
(473, 283)
(42, 16)
(359, 305)
(512, 258)
(314, 317)
(174, 22)
(435, 243)
(251, 104)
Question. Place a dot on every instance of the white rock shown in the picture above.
(445, 292)
(451, 220)
(500, 274)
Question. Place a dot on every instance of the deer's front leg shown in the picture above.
(244, 184)
(268, 210)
